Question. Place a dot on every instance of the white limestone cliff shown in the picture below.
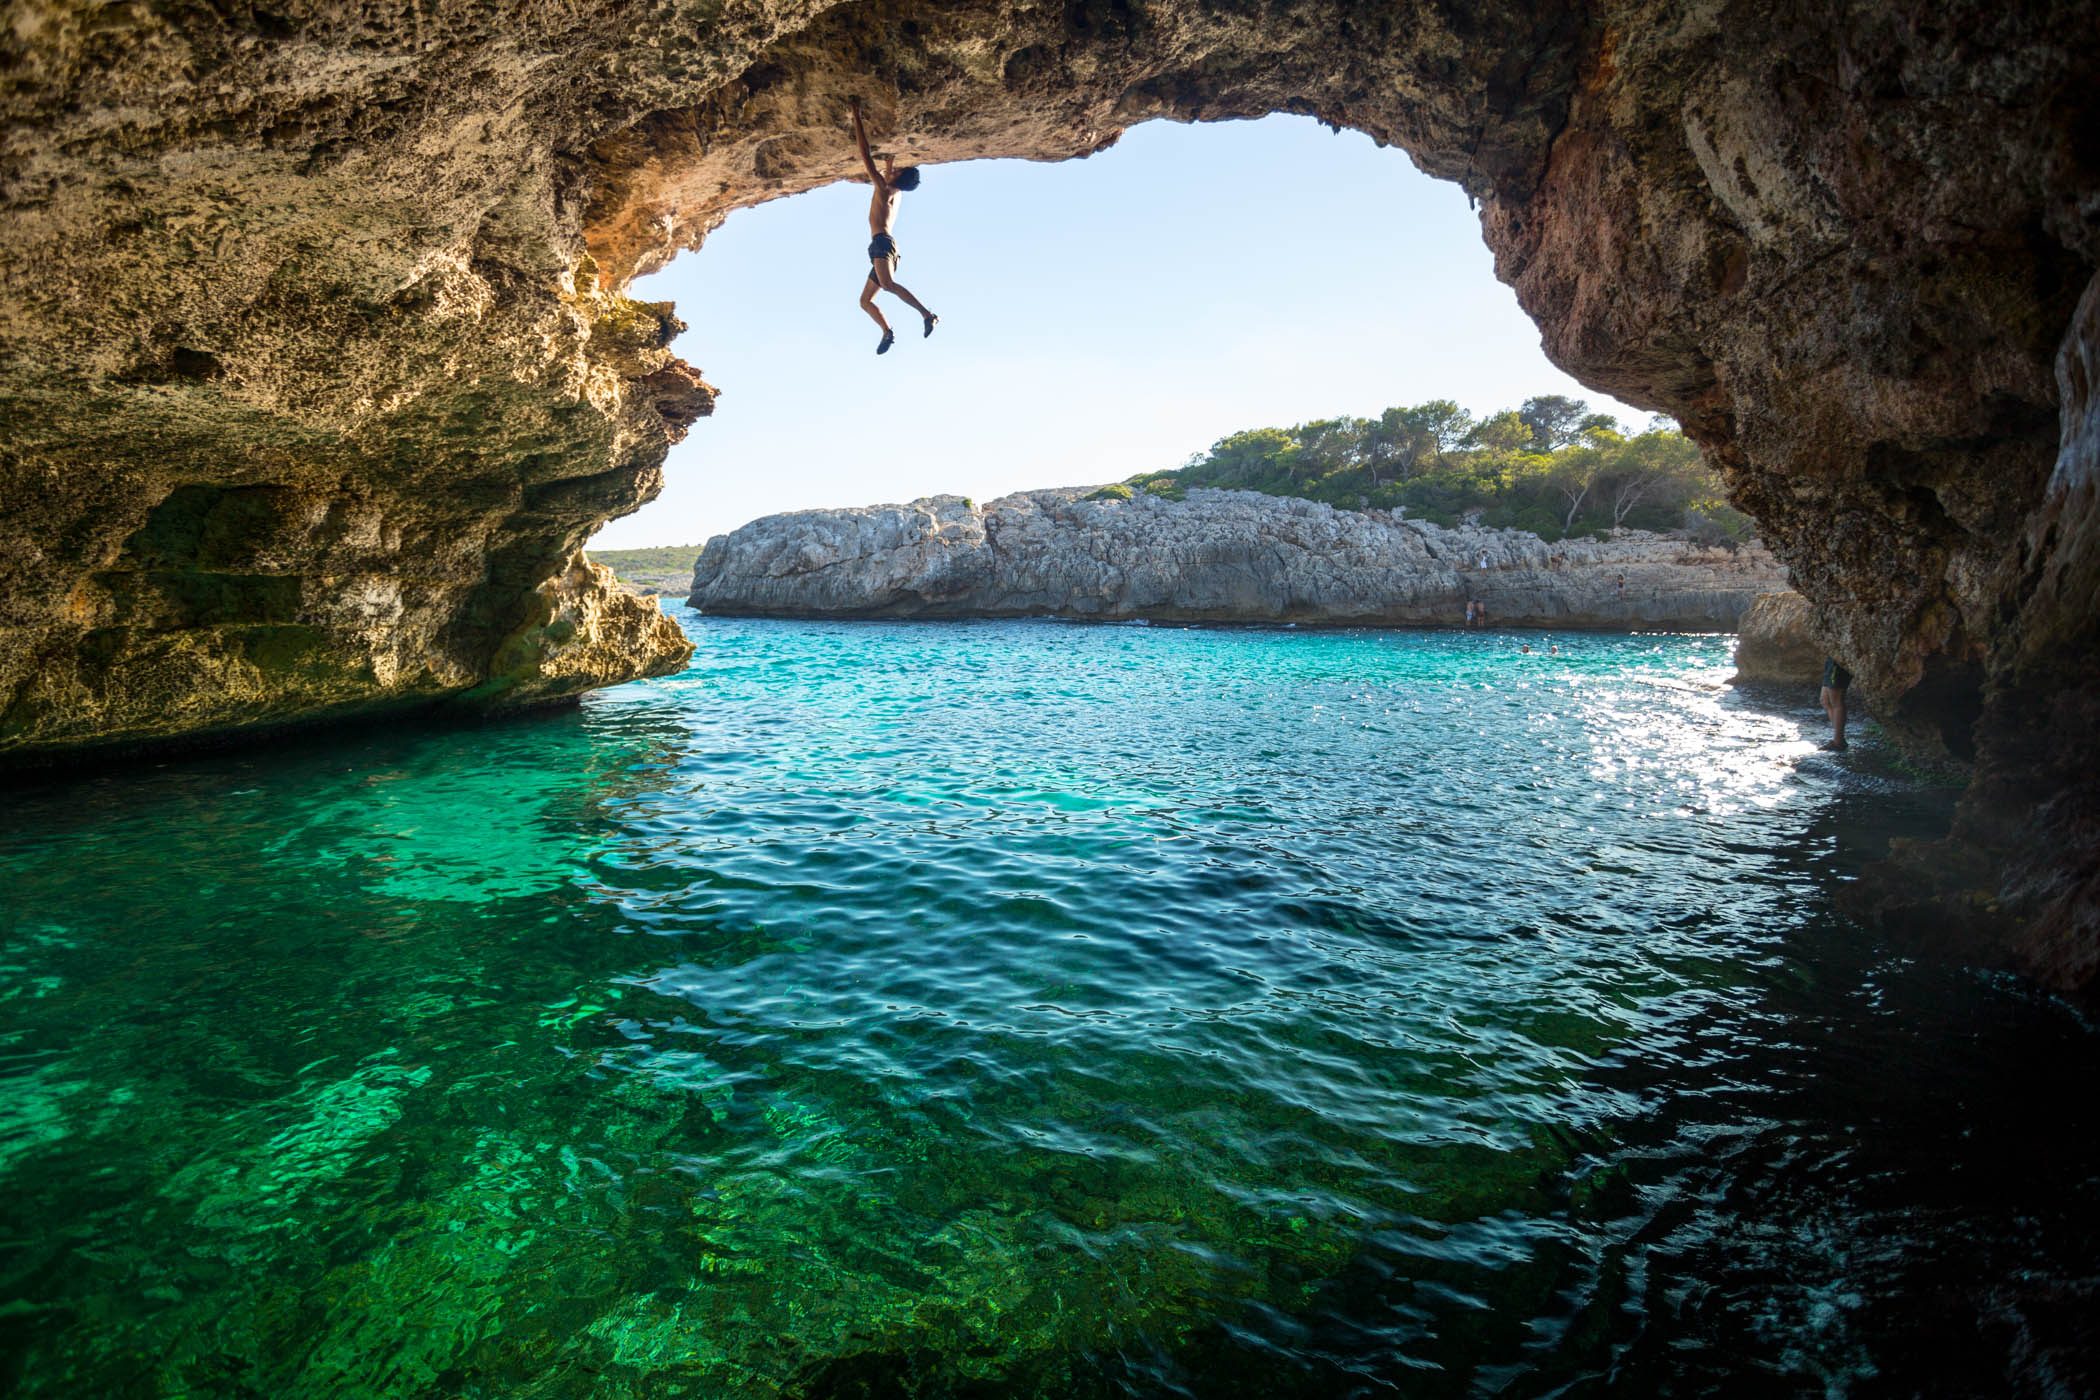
(1217, 556)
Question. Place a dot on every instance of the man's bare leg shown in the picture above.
(867, 304)
(1834, 706)
(897, 289)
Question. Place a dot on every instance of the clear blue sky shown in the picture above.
(1099, 318)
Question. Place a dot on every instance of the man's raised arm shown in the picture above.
(860, 138)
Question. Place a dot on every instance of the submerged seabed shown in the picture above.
(1025, 1009)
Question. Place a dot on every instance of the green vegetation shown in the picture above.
(665, 568)
(1551, 467)
(660, 559)
(1109, 493)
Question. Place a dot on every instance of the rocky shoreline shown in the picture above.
(1215, 556)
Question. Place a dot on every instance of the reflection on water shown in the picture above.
(1020, 1009)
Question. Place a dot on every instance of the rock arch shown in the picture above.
(319, 369)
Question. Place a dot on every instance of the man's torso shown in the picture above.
(882, 210)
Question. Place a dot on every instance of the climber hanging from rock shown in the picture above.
(889, 183)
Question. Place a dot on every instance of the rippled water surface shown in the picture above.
(1024, 1009)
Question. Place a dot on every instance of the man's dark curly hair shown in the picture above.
(907, 178)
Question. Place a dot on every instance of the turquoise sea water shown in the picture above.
(1023, 1009)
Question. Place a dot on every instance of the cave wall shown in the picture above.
(318, 365)
(303, 415)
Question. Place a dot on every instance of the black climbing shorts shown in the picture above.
(883, 248)
(1835, 677)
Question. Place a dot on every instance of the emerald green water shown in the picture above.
(1021, 1009)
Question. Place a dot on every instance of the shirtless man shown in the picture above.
(889, 183)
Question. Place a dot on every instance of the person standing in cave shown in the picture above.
(889, 183)
(1836, 681)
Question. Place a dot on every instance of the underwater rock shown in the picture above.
(1217, 556)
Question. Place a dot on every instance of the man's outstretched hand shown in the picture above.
(860, 140)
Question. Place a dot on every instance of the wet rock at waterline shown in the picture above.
(1217, 556)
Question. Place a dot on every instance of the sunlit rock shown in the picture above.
(1775, 642)
(1217, 556)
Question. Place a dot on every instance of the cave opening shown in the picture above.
(1101, 318)
(874, 1017)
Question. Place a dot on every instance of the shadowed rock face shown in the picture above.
(317, 372)
(1218, 556)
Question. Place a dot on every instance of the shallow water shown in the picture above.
(1024, 1009)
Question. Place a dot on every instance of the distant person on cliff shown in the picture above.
(890, 183)
(1836, 681)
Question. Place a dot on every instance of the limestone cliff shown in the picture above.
(314, 367)
(1218, 556)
